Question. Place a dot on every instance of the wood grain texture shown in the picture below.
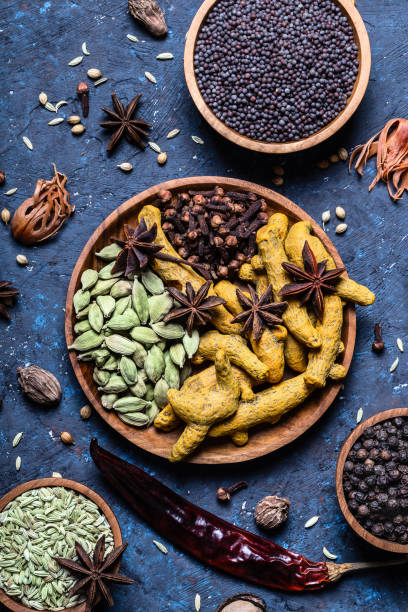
(261, 441)
(14, 605)
(360, 86)
(345, 449)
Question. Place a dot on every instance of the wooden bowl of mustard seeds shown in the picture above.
(12, 603)
(361, 80)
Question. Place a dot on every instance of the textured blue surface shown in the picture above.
(39, 39)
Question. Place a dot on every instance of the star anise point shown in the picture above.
(195, 305)
(121, 121)
(258, 311)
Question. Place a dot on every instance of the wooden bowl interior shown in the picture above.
(14, 605)
(261, 441)
(364, 56)
(345, 449)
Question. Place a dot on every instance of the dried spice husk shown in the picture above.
(149, 13)
(39, 385)
(42, 215)
(391, 150)
(7, 295)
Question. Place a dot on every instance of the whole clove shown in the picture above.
(216, 227)
(378, 344)
(224, 493)
(83, 94)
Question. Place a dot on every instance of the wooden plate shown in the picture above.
(12, 604)
(345, 449)
(364, 56)
(262, 441)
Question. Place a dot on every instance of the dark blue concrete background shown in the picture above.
(39, 38)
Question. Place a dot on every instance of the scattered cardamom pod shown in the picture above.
(66, 438)
(85, 412)
(39, 385)
(110, 252)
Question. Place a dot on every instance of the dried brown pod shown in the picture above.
(42, 215)
(39, 385)
(149, 13)
(271, 511)
(243, 602)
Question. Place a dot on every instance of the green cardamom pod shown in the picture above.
(161, 344)
(159, 305)
(139, 389)
(169, 331)
(137, 419)
(177, 354)
(103, 287)
(141, 374)
(82, 314)
(88, 279)
(110, 252)
(121, 305)
(152, 412)
(154, 364)
(152, 282)
(149, 394)
(116, 384)
(100, 356)
(131, 311)
(88, 356)
(123, 322)
(106, 272)
(140, 301)
(128, 370)
(120, 344)
(101, 377)
(107, 304)
(171, 373)
(82, 326)
(107, 400)
(87, 341)
(111, 364)
(122, 288)
(160, 393)
(191, 343)
(81, 300)
(185, 372)
(145, 335)
(95, 317)
(139, 355)
(130, 403)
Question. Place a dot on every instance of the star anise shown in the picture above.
(95, 572)
(258, 311)
(139, 248)
(194, 305)
(7, 293)
(316, 281)
(121, 121)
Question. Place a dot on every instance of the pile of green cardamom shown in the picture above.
(120, 327)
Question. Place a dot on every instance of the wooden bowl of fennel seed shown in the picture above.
(27, 520)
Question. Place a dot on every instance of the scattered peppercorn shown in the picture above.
(375, 480)
(277, 70)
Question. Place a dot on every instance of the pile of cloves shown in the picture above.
(214, 228)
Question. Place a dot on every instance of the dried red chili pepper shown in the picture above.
(210, 538)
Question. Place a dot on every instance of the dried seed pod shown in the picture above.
(340, 212)
(334, 158)
(271, 511)
(326, 216)
(74, 119)
(85, 412)
(94, 73)
(5, 215)
(78, 129)
(149, 13)
(342, 153)
(323, 164)
(43, 98)
(39, 385)
(278, 181)
(162, 158)
(125, 166)
(42, 215)
(341, 228)
(22, 260)
(66, 438)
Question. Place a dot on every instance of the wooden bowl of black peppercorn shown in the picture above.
(372, 480)
(277, 77)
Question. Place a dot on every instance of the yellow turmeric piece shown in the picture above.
(346, 288)
(270, 239)
(236, 349)
(267, 407)
(322, 360)
(177, 275)
(295, 354)
(270, 347)
(204, 399)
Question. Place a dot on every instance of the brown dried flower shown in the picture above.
(42, 215)
(271, 511)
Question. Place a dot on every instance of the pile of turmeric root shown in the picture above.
(220, 400)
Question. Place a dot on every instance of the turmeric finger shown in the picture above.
(167, 420)
(270, 239)
(189, 440)
(295, 354)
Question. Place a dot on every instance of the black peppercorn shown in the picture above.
(368, 444)
(392, 505)
(348, 466)
(362, 454)
(378, 529)
(363, 510)
(385, 455)
(394, 475)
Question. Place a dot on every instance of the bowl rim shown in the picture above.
(361, 37)
(387, 545)
(15, 605)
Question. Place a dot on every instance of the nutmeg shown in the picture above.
(39, 385)
(271, 511)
